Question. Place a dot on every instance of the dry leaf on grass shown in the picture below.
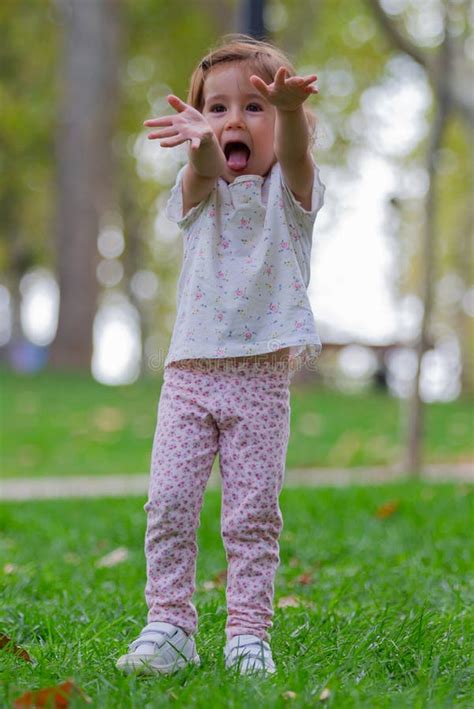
(8, 645)
(117, 556)
(387, 510)
(305, 579)
(57, 697)
(218, 581)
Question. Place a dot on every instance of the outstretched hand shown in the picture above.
(286, 92)
(186, 124)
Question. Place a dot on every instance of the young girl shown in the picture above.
(246, 202)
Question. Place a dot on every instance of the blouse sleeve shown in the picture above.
(174, 206)
(305, 216)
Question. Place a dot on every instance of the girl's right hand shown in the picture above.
(186, 124)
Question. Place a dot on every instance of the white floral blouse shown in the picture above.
(246, 268)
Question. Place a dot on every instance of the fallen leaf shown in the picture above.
(288, 602)
(325, 694)
(305, 579)
(56, 697)
(289, 695)
(8, 645)
(221, 577)
(117, 556)
(219, 581)
(388, 509)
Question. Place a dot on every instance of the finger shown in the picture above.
(165, 133)
(195, 143)
(295, 81)
(164, 121)
(172, 142)
(176, 103)
(260, 85)
(299, 81)
(280, 76)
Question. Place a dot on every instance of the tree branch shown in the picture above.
(459, 99)
(395, 36)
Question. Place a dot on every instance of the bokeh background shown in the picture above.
(89, 262)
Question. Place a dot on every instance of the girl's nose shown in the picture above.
(235, 119)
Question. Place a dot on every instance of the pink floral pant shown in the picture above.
(242, 412)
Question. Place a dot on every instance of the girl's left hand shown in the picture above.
(286, 92)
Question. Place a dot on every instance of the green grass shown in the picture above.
(384, 621)
(68, 424)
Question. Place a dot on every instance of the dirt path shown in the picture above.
(125, 485)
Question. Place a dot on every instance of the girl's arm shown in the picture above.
(292, 136)
(206, 159)
(292, 151)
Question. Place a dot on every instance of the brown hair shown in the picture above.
(262, 57)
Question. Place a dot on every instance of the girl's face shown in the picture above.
(242, 120)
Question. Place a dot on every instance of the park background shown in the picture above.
(89, 267)
(82, 195)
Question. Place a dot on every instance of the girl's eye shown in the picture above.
(217, 108)
(254, 107)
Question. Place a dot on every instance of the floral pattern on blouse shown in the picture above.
(246, 269)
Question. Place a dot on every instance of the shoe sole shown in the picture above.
(143, 665)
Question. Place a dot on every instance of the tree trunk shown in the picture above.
(464, 321)
(84, 167)
(414, 434)
(447, 72)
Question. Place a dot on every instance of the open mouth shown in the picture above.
(237, 155)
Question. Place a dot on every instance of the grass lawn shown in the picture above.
(68, 424)
(379, 612)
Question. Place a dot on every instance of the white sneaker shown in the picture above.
(161, 648)
(248, 654)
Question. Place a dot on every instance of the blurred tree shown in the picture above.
(85, 167)
(448, 71)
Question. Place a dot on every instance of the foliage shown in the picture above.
(28, 94)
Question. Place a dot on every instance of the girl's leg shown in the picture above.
(184, 449)
(254, 436)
